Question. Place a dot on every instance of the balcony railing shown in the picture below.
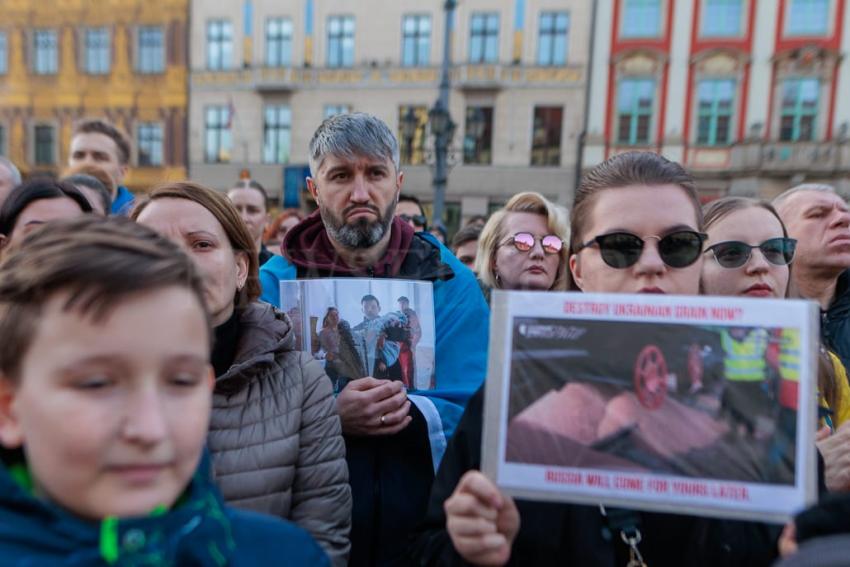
(464, 76)
(791, 157)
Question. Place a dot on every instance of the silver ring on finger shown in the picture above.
(383, 420)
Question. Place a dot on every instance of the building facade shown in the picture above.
(125, 60)
(745, 93)
(265, 73)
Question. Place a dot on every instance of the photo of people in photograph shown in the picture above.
(365, 327)
(698, 401)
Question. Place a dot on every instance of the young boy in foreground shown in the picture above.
(105, 395)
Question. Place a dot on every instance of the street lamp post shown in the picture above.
(409, 122)
(442, 126)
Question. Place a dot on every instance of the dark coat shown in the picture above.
(835, 321)
(567, 534)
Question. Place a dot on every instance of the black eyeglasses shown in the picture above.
(418, 220)
(623, 249)
(734, 254)
(524, 241)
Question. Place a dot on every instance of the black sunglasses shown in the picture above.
(418, 220)
(623, 249)
(734, 254)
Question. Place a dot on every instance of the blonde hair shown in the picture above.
(493, 234)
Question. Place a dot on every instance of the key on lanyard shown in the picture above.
(635, 558)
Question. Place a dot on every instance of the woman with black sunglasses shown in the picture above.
(637, 227)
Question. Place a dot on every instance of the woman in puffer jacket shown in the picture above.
(274, 433)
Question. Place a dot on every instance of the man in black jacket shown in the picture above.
(819, 219)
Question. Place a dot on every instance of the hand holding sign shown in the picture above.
(835, 450)
(368, 406)
(481, 520)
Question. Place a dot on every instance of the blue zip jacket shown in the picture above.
(123, 202)
(391, 475)
(199, 531)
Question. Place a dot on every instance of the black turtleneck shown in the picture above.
(224, 348)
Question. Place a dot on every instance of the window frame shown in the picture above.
(272, 132)
(635, 112)
(421, 53)
(145, 53)
(281, 44)
(798, 112)
(640, 34)
(552, 32)
(142, 127)
(546, 151)
(53, 144)
(4, 52)
(219, 44)
(487, 37)
(791, 19)
(705, 17)
(100, 51)
(478, 150)
(714, 114)
(337, 57)
(223, 131)
(50, 58)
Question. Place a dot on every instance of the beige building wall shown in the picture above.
(377, 84)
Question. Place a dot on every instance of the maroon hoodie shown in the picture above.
(308, 246)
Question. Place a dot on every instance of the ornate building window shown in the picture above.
(149, 142)
(546, 135)
(4, 53)
(484, 38)
(715, 110)
(277, 134)
(97, 55)
(552, 40)
(641, 18)
(218, 143)
(415, 40)
(799, 110)
(45, 145)
(150, 55)
(478, 137)
(334, 109)
(45, 59)
(340, 41)
(219, 45)
(278, 42)
(807, 17)
(721, 18)
(635, 105)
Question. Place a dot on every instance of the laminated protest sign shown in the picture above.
(691, 405)
(360, 327)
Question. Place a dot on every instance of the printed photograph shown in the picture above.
(381, 328)
(708, 402)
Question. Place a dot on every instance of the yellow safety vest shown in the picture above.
(744, 360)
(789, 355)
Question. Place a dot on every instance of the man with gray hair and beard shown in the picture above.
(394, 441)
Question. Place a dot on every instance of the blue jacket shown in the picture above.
(123, 202)
(200, 531)
(391, 476)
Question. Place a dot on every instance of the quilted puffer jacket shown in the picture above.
(275, 435)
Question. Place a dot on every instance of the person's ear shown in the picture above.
(575, 269)
(210, 377)
(4, 241)
(241, 269)
(314, 191)
(123, 169)
(399, 181)
(11, 434)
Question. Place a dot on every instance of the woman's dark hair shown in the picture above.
(227, 215)
(327, 314)
(36, 190)
(95, 185)
(628, 169)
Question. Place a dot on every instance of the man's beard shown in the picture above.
(361, 234)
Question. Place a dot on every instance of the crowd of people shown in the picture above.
(157, 408)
